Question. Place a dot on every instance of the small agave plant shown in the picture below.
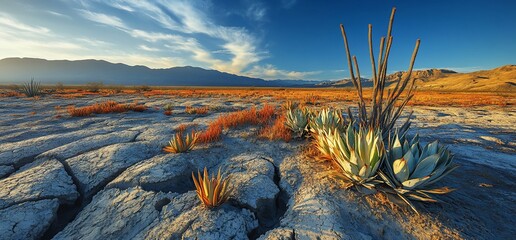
(411, 168)
(182, 143)
(358, 154)
(212, 191)
(327, 120)
(297, 121)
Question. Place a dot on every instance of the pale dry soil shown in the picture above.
(106, 177)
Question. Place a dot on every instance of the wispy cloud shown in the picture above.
(256, 11)
(270, 72)
(8, 21)
(58, 14)
(103, 19)
(149, 49)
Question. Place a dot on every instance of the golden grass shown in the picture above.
(196, 110)
(103, 108)
(307, 96)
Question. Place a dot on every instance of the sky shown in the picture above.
(269, 39)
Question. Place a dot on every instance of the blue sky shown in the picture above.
(270, 39)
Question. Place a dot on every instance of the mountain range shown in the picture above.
(17, 70)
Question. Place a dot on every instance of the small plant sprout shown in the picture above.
(212, 191)
(181, 143)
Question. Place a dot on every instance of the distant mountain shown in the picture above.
(498, 79)
(15, 70)
(422, 75)
(344, 83)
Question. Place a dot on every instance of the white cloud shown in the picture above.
(147, 48)
(8, 21)
(58, 14)
(270, 72)
(103, 19)
(256, 11)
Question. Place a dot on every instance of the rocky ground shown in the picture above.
(106, 177)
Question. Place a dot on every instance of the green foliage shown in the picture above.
(410, 168)
(297, 121)
(358, 153)
(32, 89)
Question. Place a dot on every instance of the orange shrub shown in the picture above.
(266, 114)
(211, 134)
(277, 130)
(105, 107)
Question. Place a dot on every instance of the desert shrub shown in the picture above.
(385, 108)
(31, 89)
(105, 107)
(59, 87)
(212, 191)
(277, 130)
(196, 110)
(143, 88)
(182, 142)
(211, 134)
(94, 86)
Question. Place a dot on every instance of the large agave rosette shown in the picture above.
(358, 154)
(411, 168)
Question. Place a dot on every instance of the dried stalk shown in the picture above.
(383, 112)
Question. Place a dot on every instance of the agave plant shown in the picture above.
(182, 143)
(213, 191)
(411, 168)
(327, 120)
(358, 154)
(297, 121)
(31, 89)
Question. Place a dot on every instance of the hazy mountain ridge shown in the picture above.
(82, 71)
(17, 70)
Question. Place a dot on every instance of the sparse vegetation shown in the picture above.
(181, 142)
(197, 110)
(32, 89)
(94, 87)
(212, 191)
(277, 130)
(105, 107)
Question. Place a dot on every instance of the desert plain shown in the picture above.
(106, 176)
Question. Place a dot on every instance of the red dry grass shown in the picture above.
(236, 119)
(277, 130)
(105, 107)
(167, 112)
(266, 114)
(211, 134)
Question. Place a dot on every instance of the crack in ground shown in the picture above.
(281, 206)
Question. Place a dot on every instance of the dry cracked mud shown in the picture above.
(106, 177)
